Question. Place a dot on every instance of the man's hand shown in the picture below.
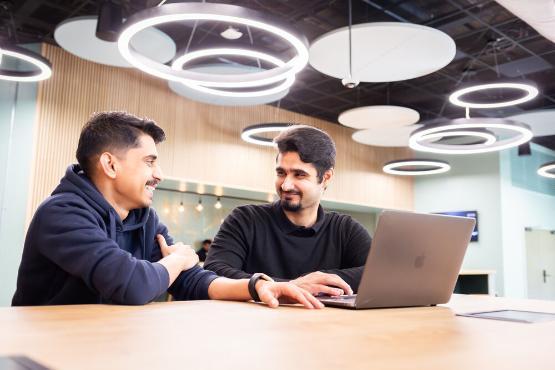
(275, 293)
(320, 282)
(188, 257)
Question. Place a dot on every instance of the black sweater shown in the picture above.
(260, 238)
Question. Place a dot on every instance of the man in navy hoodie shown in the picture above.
(95, 239)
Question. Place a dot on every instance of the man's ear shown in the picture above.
(326, 179)
(108, 164)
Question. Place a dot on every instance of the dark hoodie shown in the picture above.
(78, 251)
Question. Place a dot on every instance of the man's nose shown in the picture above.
(287, 184)
(157, 174)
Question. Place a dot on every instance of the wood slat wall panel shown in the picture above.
(203, 144)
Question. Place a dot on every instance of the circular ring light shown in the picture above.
(164, 14)
(522, 135)
(188, 57)
(531, 93)
(250, 134)
(43, 71)
(487, 136)
(223, 68)
(547, 170)
(396, 167)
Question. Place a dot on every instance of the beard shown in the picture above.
(289, 205)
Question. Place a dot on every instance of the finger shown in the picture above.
(315, 302)
(268, 297)
(298, 295)
(320, 288)
(335, 280)
(163, 245)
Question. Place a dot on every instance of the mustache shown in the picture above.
(290, 192)
(153, 183)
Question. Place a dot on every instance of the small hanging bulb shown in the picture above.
(199, 207)
(181, 207)
(218, 204)
(166, 210)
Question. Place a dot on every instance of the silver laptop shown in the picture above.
(414, 260)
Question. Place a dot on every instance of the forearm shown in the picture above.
(224, 268)
(230, 289)
(174, 265)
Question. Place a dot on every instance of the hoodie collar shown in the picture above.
(77, 182)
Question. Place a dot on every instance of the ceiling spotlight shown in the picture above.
(416, 167)
(530, 90)
(524, 149)
(251, 135)
(349, 82)
(110, 19)
(521, 134)
(231, 33)
(218, 204)
(181, 207)
(168, 13)
(547, 170)
(43, 67)
(199, 207)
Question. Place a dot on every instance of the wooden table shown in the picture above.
(229, 335)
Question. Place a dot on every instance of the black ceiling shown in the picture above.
(490, 41)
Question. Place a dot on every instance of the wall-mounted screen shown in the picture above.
(472, 214)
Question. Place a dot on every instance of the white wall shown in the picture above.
(17, 118)
(521, 208)
(472, 184)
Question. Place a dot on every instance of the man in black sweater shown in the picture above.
(294, 238)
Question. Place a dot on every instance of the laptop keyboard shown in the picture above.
(339, 298)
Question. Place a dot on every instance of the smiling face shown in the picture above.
(137, 175)
(297, 182)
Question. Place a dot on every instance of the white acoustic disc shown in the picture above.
(542, 122)
(382, 51)
(189, 93)
(390, 137)
(378, 116)
(78, 36)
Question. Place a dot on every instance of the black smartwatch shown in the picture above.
(252, 284)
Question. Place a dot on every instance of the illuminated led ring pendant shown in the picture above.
(44, 68)
(187, 58)
(456, 97)
(395, 167)
(164, 14)
(487, 136)
(522, 135)
(251, 133)
(545, 169)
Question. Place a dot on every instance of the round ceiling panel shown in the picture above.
(382, 51)
(378, 116)
(78, 36)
